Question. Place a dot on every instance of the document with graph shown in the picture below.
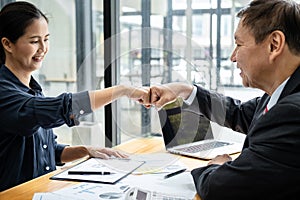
(99, 170)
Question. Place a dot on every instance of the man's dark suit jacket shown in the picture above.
(269, 164)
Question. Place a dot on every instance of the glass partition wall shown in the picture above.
(100, 43)
(172, 40)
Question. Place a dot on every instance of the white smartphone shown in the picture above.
(138, 194)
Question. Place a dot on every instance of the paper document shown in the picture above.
(156, 163)
(86, 191)
(148, 177)
(99, 170)
(181, 187)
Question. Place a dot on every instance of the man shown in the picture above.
(268, 54)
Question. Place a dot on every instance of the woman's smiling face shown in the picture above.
(30, 49)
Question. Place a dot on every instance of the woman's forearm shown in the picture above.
(105, 96)
(73, 153)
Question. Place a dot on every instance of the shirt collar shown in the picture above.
(275, 96)
(34, 86)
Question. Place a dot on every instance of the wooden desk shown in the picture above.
(26, 190)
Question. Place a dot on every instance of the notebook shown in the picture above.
(190, 134)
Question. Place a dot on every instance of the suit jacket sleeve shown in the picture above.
(225, 111)
(268, 166)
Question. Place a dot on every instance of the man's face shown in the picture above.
(251, 58)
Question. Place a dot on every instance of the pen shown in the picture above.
(89, 173)
(174, 173)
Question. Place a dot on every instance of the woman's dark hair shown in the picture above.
(14, 19)
(262, 17)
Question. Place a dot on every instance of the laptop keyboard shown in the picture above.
(203, 147)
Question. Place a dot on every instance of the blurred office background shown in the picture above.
(98, 43)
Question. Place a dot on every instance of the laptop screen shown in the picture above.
(180, 126)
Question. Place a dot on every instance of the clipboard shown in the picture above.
(117, 168)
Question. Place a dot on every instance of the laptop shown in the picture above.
(190, 134)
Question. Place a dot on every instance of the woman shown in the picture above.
(27, 142)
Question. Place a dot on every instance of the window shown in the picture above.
(181, 45)
(151, 42)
